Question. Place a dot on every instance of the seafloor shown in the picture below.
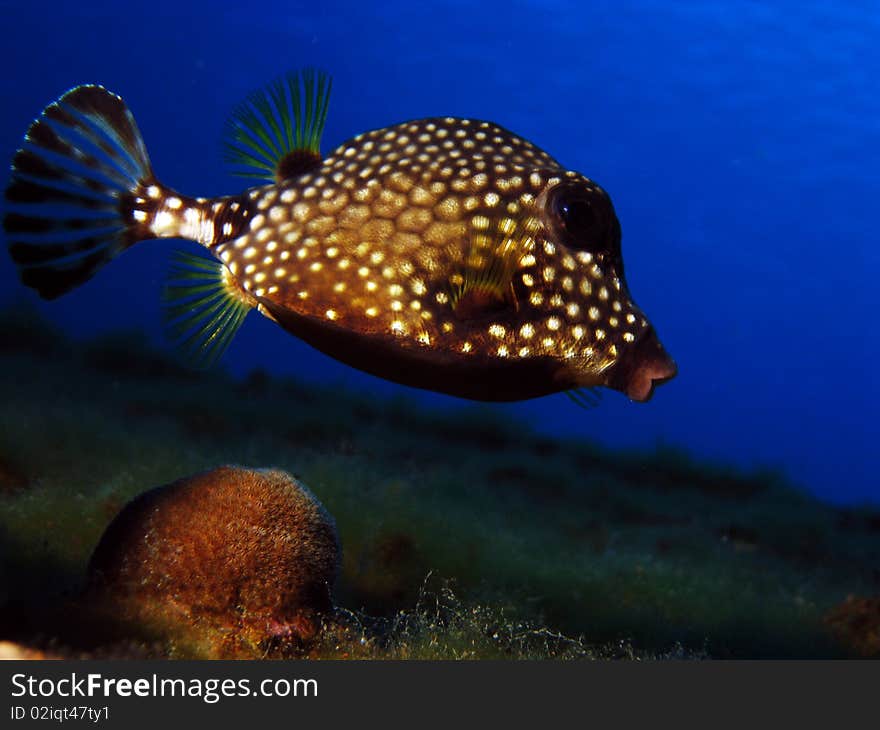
(463, 535)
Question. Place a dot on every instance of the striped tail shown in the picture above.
(82, 191)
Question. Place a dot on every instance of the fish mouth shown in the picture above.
(642, 368)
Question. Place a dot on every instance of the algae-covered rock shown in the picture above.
(12, 478)
(856, 623)
(226, 561)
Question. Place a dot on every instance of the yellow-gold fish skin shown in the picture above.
(442, 253)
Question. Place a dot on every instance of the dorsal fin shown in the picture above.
(484, 282)
(275, 133)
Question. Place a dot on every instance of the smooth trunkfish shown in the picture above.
(442, 253)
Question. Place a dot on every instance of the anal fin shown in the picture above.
(204, 307)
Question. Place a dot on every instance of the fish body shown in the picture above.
(444, 253)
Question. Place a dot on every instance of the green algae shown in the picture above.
(464, 535)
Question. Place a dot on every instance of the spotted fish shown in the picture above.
(442, 253)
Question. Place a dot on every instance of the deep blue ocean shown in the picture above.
(740, 142)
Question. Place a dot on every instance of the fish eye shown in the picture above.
(582, 218)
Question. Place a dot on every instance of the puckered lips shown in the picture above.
(643, 367)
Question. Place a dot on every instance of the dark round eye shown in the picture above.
(583, 218)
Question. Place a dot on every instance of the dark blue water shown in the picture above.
(740, 142)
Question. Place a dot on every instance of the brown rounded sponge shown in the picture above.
(249, 551)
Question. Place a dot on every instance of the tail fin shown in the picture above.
(75, 185)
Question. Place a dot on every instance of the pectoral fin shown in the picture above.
(483, 284)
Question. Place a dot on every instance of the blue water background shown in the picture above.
(740, 142)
